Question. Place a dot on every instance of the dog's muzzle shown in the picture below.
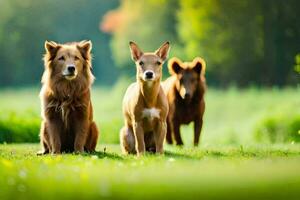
(185, 94)
(149, 75)
(70, 72)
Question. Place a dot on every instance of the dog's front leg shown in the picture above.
(169, 138)
(44, 140)
(139, 138)
(176, 131)
(81, 132)
(197, 130)
(54, 130)
(159, 136)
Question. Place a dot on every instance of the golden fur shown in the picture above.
(145, 105)
(65, 99)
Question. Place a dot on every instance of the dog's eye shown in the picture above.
(61, 58)
(141, 63)
(76, 58)
(158, 63)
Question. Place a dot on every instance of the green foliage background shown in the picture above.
(26, 24)
(250, 140)
(245, 42)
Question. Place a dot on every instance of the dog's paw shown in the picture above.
(42, 152)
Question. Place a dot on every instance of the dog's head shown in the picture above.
(188, 75)
(149, 65)
(68, 61)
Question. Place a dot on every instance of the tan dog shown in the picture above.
(185, 91)
(65, 96)
(145, 106)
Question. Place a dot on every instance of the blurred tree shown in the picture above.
(281, 39)
(26, 24)
(297, 63)
(244, 42)
(149, 23)
(227, 34)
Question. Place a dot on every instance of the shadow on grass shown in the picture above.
(178, 155)
(99, 154)
(104, 154)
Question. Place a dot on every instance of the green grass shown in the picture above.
(231, 115)
(211, 172)
(231, 163)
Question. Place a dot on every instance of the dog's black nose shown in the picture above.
(187, 95)
(149, 75)
(71, 68)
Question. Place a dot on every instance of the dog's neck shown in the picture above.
(68, 91)
(149, 91)
(62, 89)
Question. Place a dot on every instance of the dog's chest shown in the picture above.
(64, 108)
(186, 112)
(150, 117)
(150, 113)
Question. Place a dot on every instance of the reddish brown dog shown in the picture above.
(65, 97)
(145, 105)
(185, 91)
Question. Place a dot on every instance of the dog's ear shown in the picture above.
(199, 65)
(174, 65)
(51, 48)
(163, 51)
(85, 48)
(136, 52)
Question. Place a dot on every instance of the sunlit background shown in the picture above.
(250, 142)
(252, 50)
(245, 42)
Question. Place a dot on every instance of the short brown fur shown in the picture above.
(145, 105)
(67, 111)
(185, 92)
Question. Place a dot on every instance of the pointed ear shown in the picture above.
(163, 51)
(51, 48)
(174, 65)
(136, 52)
(85, 47)
(199, 65)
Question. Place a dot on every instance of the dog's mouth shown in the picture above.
(186, 98)
(148, 79)
(69, 72)
(69, 76)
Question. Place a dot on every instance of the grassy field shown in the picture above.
(231, 162)
(231, 116)
(217, 172)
